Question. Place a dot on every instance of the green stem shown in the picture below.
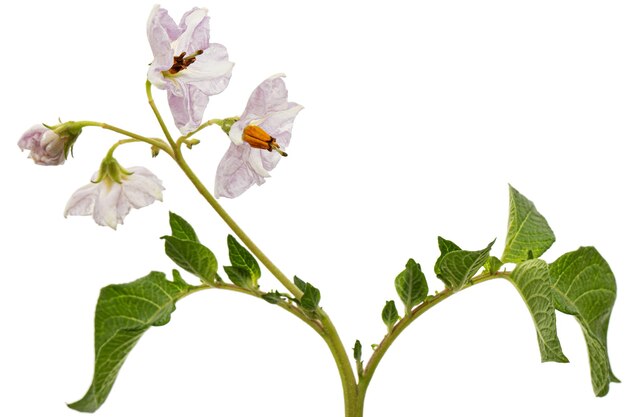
(234, 226)
(199, 128)
(384, 345)
(328, 331)
(131, 136)
(156, 112)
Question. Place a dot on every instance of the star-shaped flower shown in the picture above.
(258, 138)
(186, 65)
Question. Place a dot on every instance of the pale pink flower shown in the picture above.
(46, 146)
(258, 138)
(186, 65)
(113, 192)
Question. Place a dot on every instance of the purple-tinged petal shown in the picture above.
(105, 211)
(162, 31)
(270, 96)
(211, 72)
(82, 202)
(32, 137)
(45, 145)
(194, 36)
(234, 174)
(188, 109)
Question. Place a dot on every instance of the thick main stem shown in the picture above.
(329, 333)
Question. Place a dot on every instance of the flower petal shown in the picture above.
(270, 96)
(32, 137)
(188, 108)
(142, 187)
(82, 202)
(194, 26)
(109, 202)
(234, 173)
(211, 72)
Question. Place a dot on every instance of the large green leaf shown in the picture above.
(529, 234)
(123, 314)
(532, 280)
(411, 285)
(458, 266)
(584, 286)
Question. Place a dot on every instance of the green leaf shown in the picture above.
(240, 257)
(493, 265)
(181, 229)
(445, 246)
(240, 277)
(532, 280)
(390, 315)
(529, 234)
(311, 298)
(123, 314)
(584, 286)
(193, 257)
(299, 283)
(357, 350)
(272, 297)
(458, 266)
(411, 285)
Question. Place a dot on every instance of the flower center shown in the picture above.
(258, 138)
(181, 61)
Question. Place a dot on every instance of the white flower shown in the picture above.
(113, 192)
(264, 127)
(186, 65)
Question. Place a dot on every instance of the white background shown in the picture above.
(417, 116)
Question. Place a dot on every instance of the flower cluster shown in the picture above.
(190, 69)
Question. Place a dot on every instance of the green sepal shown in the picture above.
(181, 229)
(193, 257)
(411, 285)
(529, 234)
(240, 277)
(532, 280)
(584, 286)
(390, 315)
(240, 257)
(123, 314)
(458, 266)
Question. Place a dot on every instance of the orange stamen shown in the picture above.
(258, 138)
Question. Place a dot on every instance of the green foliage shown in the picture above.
(493, 265)
(299, 283)
(272, 297)
(357, 350)
(181, 229)
(456, 267)
(240, 277)
(390, 315)
(192, 257)
(584, 286)
(445, 246)
(529, 234)
(123, 314)
(240, 257)
(411, 285)
(311, 298)
(532, 280)
(187, 252)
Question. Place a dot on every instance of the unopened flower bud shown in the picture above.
(50, 145)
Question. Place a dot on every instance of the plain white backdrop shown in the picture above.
(417, 116)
